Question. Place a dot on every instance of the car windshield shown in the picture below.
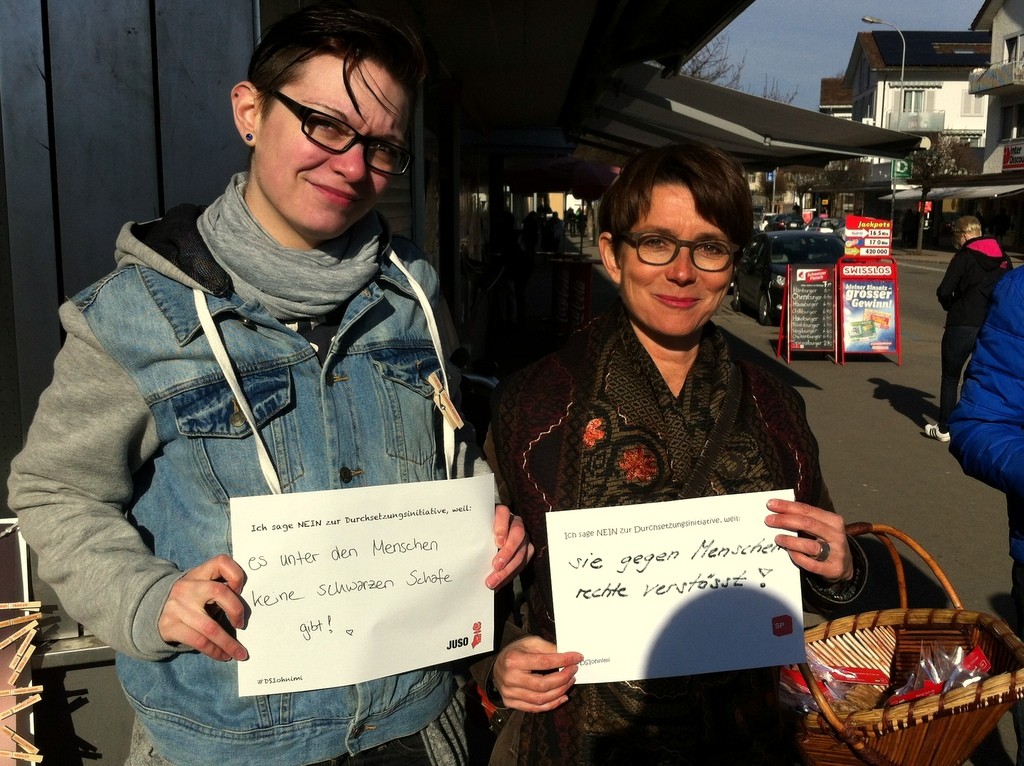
(821, 249)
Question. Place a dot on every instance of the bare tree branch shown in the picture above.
(711, 64)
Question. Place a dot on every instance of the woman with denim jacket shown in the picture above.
(138, 445)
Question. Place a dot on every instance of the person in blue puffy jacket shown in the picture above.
(987, 428)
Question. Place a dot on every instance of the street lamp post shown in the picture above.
(899, 114)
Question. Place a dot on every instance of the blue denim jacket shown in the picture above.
(366, 417)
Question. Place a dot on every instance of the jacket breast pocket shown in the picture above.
(212, 420)
(406, 401)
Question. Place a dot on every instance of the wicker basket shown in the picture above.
(938, 730)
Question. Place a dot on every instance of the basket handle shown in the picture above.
(884, 533)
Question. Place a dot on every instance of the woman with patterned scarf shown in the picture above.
(645, 405)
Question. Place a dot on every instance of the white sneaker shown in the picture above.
(933, 431)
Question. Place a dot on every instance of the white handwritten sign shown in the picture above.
(349, 585)
(676, 588)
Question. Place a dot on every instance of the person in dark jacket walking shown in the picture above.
(964, 293)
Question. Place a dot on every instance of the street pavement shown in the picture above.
(868, 416)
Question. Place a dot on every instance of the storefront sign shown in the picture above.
(1013, 155)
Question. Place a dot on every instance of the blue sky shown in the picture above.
(794, 43)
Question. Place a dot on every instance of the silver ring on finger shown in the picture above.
(823, 551)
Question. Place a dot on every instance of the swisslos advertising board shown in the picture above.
(870, 310)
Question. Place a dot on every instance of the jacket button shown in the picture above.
(346, 474)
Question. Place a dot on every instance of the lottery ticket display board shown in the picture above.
(869, 317)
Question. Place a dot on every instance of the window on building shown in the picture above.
(967, 138)
(1011, 122)
(1014, 47)
(1006, 118)
(971, 105)
(913, 101)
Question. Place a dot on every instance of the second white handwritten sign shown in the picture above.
(676, 588)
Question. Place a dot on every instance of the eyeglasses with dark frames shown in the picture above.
(337, 137)
(656, 249)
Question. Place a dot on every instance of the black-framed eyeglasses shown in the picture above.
(656, 249)
(337, 137)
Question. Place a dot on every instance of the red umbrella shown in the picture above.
(584, 179)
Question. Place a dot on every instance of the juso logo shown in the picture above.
(456, 643)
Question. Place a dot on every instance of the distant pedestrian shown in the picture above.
(987, 429)
(1000, 225)
(964, 293)
(555, 230)
(522, 257)
(908, 227)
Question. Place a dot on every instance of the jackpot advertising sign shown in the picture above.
(869, 237)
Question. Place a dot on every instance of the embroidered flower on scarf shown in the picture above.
(639, 464)
(594, 432)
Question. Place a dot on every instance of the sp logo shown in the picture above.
(782, 625)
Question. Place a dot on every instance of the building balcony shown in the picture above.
(1002, 75)
(916, 122)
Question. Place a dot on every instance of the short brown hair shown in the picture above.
(340, 30)
(716, 179)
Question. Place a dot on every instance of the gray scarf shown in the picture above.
(290, 284)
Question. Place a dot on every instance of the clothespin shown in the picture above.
(444, 403)
(27, 746)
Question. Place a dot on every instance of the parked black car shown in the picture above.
(785, 222)
(760, 276)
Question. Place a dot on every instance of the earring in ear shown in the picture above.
(249, 137)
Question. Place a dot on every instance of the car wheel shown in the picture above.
(735, 302)
(764, 313)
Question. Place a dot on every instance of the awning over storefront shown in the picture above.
(959, 192)
(643, 109)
